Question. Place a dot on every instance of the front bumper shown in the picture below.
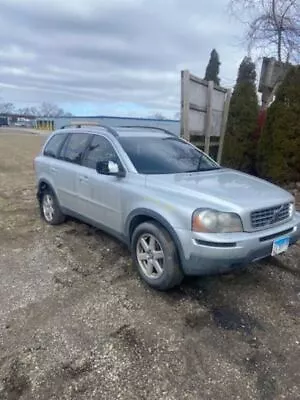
(204, 254)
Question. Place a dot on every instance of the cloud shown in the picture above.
(110, 51)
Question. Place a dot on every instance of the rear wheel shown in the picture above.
(155, 256)
(50, 209)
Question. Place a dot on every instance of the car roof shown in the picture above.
(119, 131)
(141, 132)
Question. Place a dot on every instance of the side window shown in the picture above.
(75, 147)
(99, 149)
(53, 146)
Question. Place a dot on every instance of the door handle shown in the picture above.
(83, 178)
(53, 169)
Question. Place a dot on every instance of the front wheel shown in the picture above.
(155, 256)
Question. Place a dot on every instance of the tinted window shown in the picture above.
(165, 155)
(74, 148)
(53, 146)
(99, 149)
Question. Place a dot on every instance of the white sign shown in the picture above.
(196, 103)
(204, 109)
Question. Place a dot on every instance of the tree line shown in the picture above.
(45, 109)
(270, 150)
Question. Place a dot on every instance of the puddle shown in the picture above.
(233, 320)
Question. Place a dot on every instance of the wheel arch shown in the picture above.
(141, 215)
(44, 184)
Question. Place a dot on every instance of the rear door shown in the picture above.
(48, 164)
(68, 168)
(100, 195)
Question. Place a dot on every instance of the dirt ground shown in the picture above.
(76, 322)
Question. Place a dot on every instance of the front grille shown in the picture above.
(270, 216)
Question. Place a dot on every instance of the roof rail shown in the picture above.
(149, 127)
(82, 124)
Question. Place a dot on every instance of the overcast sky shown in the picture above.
(111, 57)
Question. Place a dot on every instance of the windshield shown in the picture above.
(165, 155)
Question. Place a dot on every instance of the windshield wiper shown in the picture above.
(200, 162)
(205, 168)
(201, 170)
(208, 169)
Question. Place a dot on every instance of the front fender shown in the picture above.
(158, 218)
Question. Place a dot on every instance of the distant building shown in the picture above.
(4, 120)
(17, 120)
(57, 123)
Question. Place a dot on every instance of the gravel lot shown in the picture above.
(77, 323)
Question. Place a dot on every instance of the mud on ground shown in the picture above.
(77, 323)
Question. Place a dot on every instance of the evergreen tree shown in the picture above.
(279, 146)
(240, 145)
(213, 68)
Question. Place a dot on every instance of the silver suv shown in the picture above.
(177, 209)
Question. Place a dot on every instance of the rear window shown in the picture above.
(54, 145)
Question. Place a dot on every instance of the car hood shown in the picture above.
(225, 186)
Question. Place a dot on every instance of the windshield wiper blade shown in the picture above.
(208, 169)
(200, 162)
(201, 170)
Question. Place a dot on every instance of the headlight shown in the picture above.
(216, 222)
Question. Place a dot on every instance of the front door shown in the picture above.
(100, 195)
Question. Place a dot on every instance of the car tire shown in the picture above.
(150, 244)
(50, 209)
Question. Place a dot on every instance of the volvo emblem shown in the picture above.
(275, 216)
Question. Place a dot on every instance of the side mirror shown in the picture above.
(109, 168)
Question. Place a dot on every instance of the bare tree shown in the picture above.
(29, 111)
(157, 115)
(44, 110)
(273, 26)
(7, 108)
(52, 110)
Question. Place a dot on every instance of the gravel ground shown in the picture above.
(76, 322)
